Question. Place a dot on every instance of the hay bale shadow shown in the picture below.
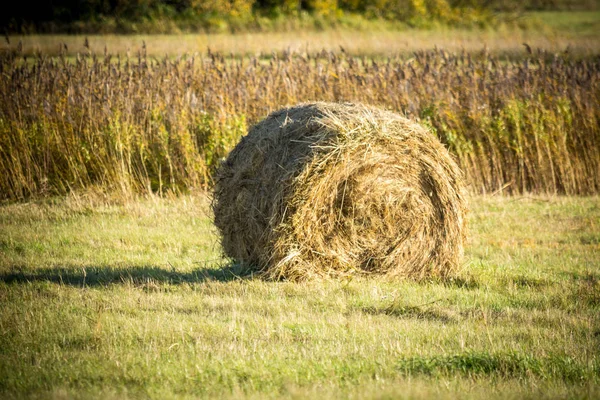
(410, 312)
(95, 276)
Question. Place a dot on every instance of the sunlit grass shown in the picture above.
(368, 43)
(547, 30)
(580, 23)
(128, 300)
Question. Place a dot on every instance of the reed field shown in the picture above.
(139, 124)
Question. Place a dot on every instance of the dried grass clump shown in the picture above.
(329, 189)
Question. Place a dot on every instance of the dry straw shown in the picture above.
(328, 189)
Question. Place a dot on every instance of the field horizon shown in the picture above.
(551, 31)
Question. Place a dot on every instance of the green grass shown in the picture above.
(127, 301)
(580, 23)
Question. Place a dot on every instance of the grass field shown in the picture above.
(371, 43)
(124, 293)
(135, 300)
(581, 23)
(550, 31)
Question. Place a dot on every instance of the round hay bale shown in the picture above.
(328, 189)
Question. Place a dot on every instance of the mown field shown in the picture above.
(134, 300)
(576, 32)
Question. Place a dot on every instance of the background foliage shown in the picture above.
(127, 16)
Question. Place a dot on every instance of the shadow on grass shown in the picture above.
(413, 312)
(106, 275)
(505, 364)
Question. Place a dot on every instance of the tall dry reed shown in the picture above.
(141, 124)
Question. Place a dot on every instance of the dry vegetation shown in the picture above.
(329, 189)
(141, 124)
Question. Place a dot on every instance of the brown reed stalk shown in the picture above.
(139, 124)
